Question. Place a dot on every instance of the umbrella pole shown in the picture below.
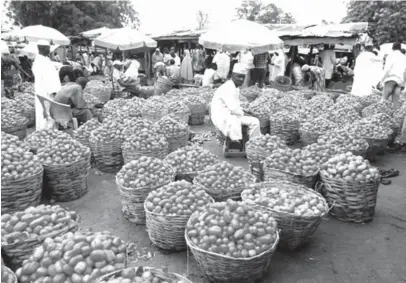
(309, 60)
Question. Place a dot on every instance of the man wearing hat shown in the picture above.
(47, 84)
(226, 112)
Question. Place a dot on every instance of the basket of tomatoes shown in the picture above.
(168, 209)
(7, 276)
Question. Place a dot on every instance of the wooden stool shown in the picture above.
(235, 149)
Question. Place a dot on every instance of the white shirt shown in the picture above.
(395, 68)
(132, 70)
(46, 76)
(209, 77)
(329, 61)
(223, 64)
(247, 59)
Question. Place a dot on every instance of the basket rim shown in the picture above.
(146, 187)
(26, 178)
(323, 175)
(194, 247)
(298, 175)
(70, 164)
(288, 214)
(10, 272)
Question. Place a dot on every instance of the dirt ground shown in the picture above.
(339, 253)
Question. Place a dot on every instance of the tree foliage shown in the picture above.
(202, 18)
(256, 10)
(387, 18)
(73, 17)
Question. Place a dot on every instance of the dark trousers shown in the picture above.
(258, 76)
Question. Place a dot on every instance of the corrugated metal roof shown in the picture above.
(287, 29)
(179, 34)
(337, 30)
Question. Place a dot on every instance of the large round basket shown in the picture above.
(225, 193)
(130, 154)
(165, 231)
(132, 201)
(289, 132)
(67, 182)
(256, 158)
(373, 142)
(108, 156)
(359, 151)
(175, 142)
(296, 230)
(17, 195)
(221, 268)
(263, 123)
(152, 115)
(20, 131)
(16, 253)
(282, 83)
(274, 174)
(183, 116)
(168, 277)
(10, 274)
(197, 113)
(103, 94)
(350, 201)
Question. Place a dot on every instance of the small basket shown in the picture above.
(5, 269)
(168, 277)
(17, 195)
(16, 253)
(108, 156)
(130, 154)
(282, 83)
(221, 268)
(175, 142)
(289, 132)
(350, 201)
(197, 113)
(274, 174)
(132, 201)
(165, 231)
(67, 182)
(20, 131)
(223, 195)
(296, 230)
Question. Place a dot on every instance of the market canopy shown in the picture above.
(125, 39)
(241, 34)
(94, 32)
(40, 32)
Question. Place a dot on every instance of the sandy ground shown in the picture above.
(340, 252)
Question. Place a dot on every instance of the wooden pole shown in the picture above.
(309, 61)
(293, 55)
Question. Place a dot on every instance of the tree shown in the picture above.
(387, 19)
(202, 20)
(256, 10)
(73, 17)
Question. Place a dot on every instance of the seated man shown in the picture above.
(226, 112)
(210, 76)
(71, 94)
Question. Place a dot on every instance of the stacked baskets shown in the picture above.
(197, 107)
(296, 230)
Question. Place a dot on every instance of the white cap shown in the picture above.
(240, 69)
(43, 42)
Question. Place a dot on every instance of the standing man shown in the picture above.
(226, 112)
(47, 83)
(157, 57)
(394, 75)
(247, 60)
(259, 71)
(222, 60)
(175, 56)
(328, 58)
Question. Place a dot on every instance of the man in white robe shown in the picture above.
(226, 112)
(222, 60)
(328, 57)
(47, 84)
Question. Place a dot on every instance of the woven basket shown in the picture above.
(351, 202)
(289, 132)
(67, 182)
(5, 269)
(183, 116)
(20, 131)
(152, 115)
(133, 154)
(132, 201)
(103, 95)
(226, 193)
(177, 142)
(16, 253)
(263, 123)
(30, 115)
(162, 86)
(256, 160)
(296, 230)
(274, 174)
(17, 195)
(197, 113)
(221, 268)
(108, 156)
(281, 83)
(167, 232)
(168, 277)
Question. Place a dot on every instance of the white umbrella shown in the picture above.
(125, 39)
(94, 32)
(386, 48)
(241, 34)
(39, 32)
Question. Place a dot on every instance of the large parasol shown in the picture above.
(241, 34)
(40, 32)
(125, 39)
